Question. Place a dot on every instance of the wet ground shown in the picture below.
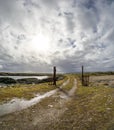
(45, 110)
(17, 104)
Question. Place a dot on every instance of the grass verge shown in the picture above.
(26, 90)
(70, 84)
(92, 108)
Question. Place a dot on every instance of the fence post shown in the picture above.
(88, 80)
(54, 75)
(82, 75)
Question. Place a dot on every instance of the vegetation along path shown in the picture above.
(72, 107)
(42, 112)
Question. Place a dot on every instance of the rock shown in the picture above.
(50, 106)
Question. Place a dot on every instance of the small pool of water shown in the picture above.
(22, 77)
(17, 104)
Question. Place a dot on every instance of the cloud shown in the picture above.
(36, 35)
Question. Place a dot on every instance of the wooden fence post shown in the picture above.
(82, 75)
(85, 78)
(54, 75)
(88, 80)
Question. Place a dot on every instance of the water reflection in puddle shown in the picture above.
(19, 104)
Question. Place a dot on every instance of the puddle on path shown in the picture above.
(17, 104)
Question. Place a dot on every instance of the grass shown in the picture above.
(60, 82)
(71, 82)
(92, 108)
(26, 90)
(22, 91)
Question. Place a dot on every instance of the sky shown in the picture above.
(36, 35)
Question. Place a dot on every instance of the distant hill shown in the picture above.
(23, 74)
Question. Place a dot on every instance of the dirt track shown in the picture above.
(40, 116)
